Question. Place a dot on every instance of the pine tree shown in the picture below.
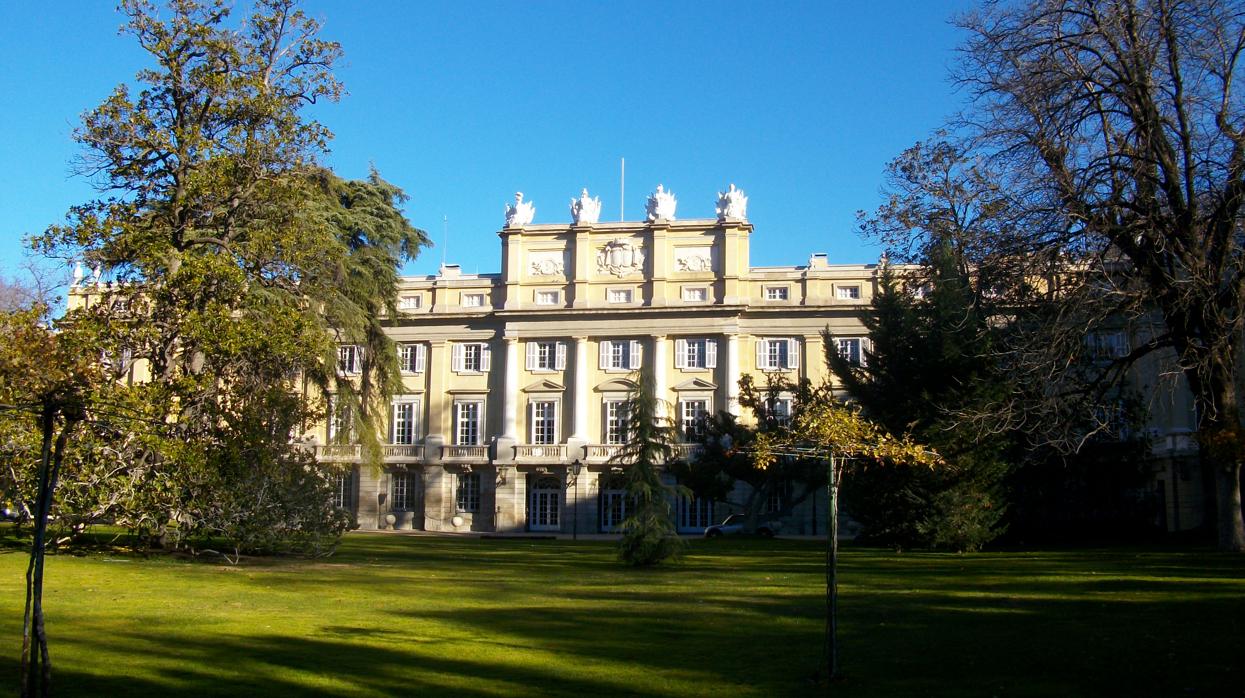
(649, 533)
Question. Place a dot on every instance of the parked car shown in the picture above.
(734, 524)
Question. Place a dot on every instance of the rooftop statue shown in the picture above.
(520, 213)
(585, 211)
(732, 205)
(661, 205)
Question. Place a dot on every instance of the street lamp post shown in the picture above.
(575, 468)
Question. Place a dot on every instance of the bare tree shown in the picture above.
(1119, 137)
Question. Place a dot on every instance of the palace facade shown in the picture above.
(515, 383)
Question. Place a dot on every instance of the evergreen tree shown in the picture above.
(649, 533)
(928, 361)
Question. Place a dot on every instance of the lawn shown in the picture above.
(420, 615)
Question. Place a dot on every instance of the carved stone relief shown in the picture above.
(620, 257)
(546, 263)
(693, 259)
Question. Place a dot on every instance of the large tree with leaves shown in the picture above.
(239, 263)
(1117, 131)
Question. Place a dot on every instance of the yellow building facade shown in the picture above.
(514, 381)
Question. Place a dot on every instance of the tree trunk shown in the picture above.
(1223, 442)
(36, 665)
(832, 573)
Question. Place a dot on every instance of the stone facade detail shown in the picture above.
(620, 257)
(520, 213)
(661, 205)
(584, 210)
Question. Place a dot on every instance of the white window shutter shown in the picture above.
(532, 349)
(793, 353)
(605, 348)
(455, 426)
(486, 357)
(711, 353)
(680, 353)
(531, 422)
(635, 354)
(393, 422)
(761, 354)
(456, 358)
(559, 361)
(421, 358)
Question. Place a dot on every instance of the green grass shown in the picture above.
(393, 615)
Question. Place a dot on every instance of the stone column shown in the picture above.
(660, 359)
(504, 451)
(732, 374)
(579, 403)
(511, 410)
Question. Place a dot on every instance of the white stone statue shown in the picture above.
(520, 213)
(586, 211)
(732, 205)
(661, 205)
(77, 274)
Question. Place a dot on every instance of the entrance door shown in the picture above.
(613, 503)
(695, 514)
(544, 505)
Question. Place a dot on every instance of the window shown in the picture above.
(547, 297)
(773, 503)
(695, 294)
(468, 422)
(343, 489)
(402, 491)
(692, 414)
(619, 295)
(404, 421)
(778, 354)
(471, 357)
(348, 359)
(620, 355)
(410, 302)
(1111, 344)
(777, 293)
(412, 358)
(473, 300)
(616, 412)
(544, 422)
(847, 293)
(341, 421)
(546, 356)
(780, 410)
(849, 348)
(695, 353)
(467, 492)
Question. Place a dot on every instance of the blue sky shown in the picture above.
(463, 103)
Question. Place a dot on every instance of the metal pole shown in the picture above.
(832, 576)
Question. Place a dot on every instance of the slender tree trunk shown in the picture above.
(832, 574)
(36, 663)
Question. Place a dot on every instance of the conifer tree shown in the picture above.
(649, 533)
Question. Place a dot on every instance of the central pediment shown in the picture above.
(544, 385)
(696, 384)
(617, 385)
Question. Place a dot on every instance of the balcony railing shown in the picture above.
(402, 452)
(599, 453)
(337, 452)
(688, 452)
(464, 453)
(539, 453)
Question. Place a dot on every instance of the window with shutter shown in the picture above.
(533, 355)
(456, 357)
(486, 358)
(634, 359)
(680, 353)
(711, 353)
(560, 356)
(793, 353)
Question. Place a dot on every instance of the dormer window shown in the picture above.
(777, 293)
(411, 302)
(847, 293)
(620, 295)
(473, 300)
(547, 297)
